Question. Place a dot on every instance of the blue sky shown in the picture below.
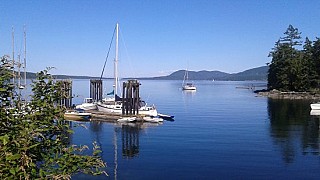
(157, 37)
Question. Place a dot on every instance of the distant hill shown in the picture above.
(31, 75)
(200, 75)
(259, 73)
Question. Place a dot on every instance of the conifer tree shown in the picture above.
(286, 65)
(316, 62)
(309, 71)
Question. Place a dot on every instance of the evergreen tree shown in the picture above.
(316, 62)
(292, 37)
(309, 71)
(286, 65)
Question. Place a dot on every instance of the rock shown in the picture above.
(276, 94)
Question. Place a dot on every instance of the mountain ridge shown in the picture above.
(258, 73)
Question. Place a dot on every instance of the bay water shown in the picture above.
(221, 131)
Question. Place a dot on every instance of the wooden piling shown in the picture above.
(96, 89)
(66, 96)
(131, 97)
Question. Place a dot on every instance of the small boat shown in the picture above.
(127, 119)
(315, 112)
(166, 117)
(77, 114)
(87, 104)
(152, 119)
(315, 106)
(187, 85)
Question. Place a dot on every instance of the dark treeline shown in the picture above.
(295, 64)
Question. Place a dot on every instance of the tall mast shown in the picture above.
(19, 82)
(12, 55)
(116, 62)
(25, 57)
(19, 74)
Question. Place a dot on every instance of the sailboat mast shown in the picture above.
(116, 62)
(187, 74)
(19, 74)
(13, 54)
(25, 57)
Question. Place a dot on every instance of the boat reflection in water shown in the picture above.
(128, 133)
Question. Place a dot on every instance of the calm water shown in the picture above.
(219, 132)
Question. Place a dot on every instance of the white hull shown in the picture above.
(77, 113)
(315, 112)
(117, 109)
(109, 108)
(74, 115)
(126, 119)
(153, 119)
(315, 106)
(190, 88)
(87, 106)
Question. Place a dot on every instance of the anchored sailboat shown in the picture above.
(187, 85)
(114, 104)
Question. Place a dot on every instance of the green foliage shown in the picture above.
(34, 139)
(6, 87)
(291, 68)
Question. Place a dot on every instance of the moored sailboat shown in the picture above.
(187, 85)
(114, 104)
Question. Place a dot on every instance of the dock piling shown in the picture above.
(66, 89)
(96, 89)
(131, 97)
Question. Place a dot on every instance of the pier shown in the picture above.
(128, 108)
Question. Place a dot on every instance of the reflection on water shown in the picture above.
(292, 129)
(130, 140)
(128, 134)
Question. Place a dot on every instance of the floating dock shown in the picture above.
(110, 117)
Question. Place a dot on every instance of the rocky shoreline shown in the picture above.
(276, 94)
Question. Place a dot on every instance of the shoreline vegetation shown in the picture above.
(292, 95)
(295, 65)
(294, 71)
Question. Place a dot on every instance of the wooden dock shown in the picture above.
(109, 117)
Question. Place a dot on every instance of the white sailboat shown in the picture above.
(114, 104)
(187, 85)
